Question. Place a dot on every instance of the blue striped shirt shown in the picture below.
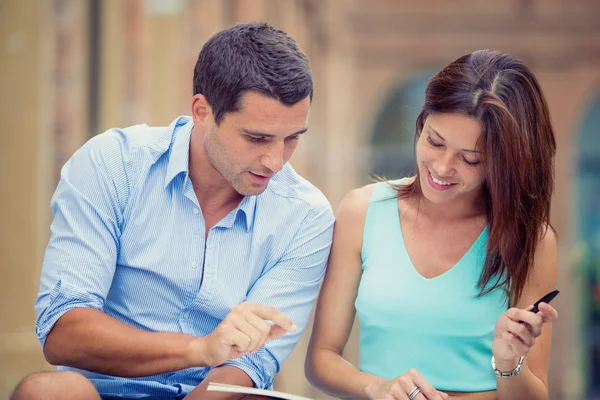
(128, 238)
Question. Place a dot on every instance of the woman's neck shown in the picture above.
(466, 207)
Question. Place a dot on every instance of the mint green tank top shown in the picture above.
(438, 326)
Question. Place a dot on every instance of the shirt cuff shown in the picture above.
(254, 366)
(62, 299)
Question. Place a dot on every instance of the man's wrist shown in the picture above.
(195, 353)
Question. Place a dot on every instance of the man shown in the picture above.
(190, 253)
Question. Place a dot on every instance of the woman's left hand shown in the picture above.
(513, 339)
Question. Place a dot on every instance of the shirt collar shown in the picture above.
(179, 156)
(179, 163)
(248, 207)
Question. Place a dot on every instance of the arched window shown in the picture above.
(588, 232)
(589, 175)
(392, 141)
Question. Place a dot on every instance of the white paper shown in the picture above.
(223, 387)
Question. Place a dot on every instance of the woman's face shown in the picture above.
(448, 159)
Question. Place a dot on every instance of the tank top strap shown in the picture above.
(382, 221)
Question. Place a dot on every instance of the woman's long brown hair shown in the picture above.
(518, 147)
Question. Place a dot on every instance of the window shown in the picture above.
(392, 143)
(588, 232)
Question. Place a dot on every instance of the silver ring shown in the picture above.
(413, 393)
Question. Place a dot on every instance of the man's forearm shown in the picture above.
(89, 339)
(224, 374)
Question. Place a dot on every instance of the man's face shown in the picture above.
(253, 144)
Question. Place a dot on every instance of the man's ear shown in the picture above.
(201, 110)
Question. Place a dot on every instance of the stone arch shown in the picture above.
(588, 236)
(393, 129)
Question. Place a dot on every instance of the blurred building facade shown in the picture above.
(71, 69)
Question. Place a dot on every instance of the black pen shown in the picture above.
(546, 299)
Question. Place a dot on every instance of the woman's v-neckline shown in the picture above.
(412, 265)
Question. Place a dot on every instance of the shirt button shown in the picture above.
(194, 264)
(186, 315)
(196, 211)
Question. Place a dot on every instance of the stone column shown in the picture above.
(43, 71)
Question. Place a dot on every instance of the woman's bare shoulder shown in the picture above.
(354, 205)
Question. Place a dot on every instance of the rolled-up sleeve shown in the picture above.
(87, 206)
(291, 286)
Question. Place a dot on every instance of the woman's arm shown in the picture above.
(532, 381)
(325, 367)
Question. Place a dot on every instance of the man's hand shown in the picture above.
(243, 331)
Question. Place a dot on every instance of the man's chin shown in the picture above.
(250, 191)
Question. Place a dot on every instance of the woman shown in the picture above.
(443, 267)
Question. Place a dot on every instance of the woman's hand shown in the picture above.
(399, 388)
(514, 339)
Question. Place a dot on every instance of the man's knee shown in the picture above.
(55, 385)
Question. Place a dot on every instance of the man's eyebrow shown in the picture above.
(268, 135)
(441, 137)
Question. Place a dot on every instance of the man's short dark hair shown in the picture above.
(251, 57)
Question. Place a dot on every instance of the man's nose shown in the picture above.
(273, 160)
